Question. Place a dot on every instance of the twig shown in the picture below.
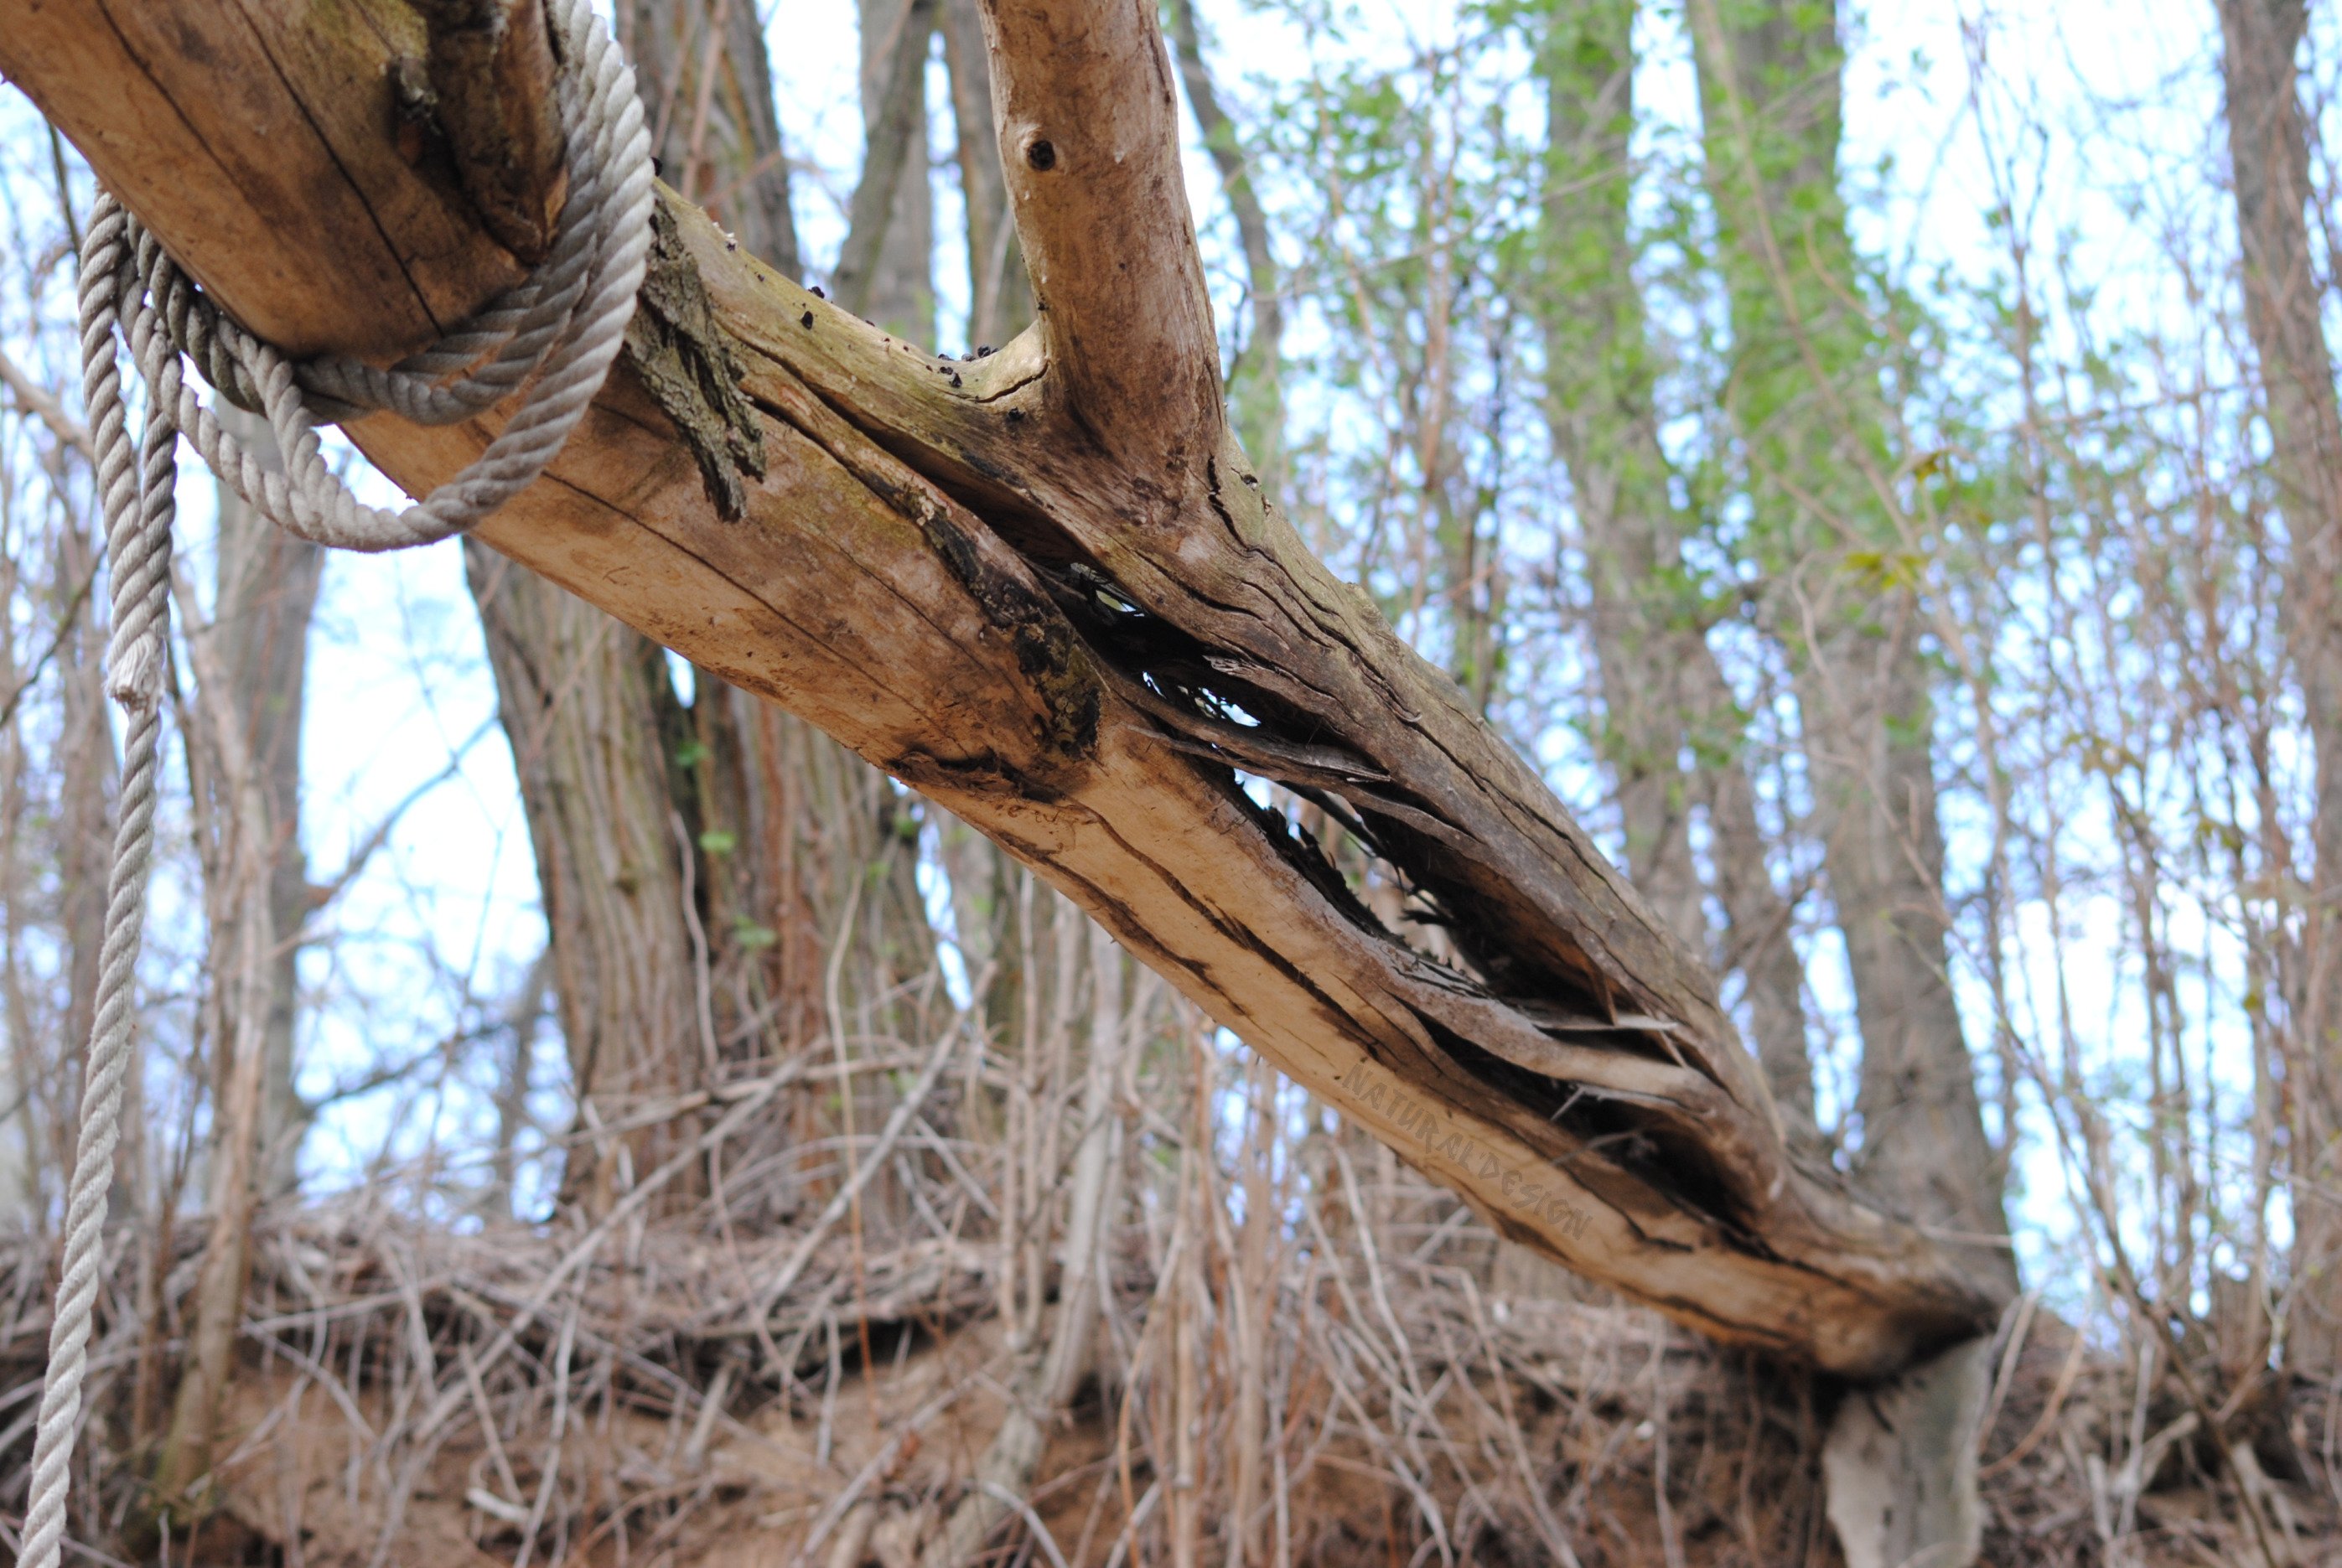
(1047, 1542)
(844, 1198)
(34, 400)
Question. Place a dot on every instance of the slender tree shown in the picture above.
(1805, 393)
(1815, 437)
(264, 595)
(2284, 301)
(248, 675)
(1664, 698)
(887, 269)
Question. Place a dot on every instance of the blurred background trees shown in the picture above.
(1886, 471)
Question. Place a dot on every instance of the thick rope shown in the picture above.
(556, 333)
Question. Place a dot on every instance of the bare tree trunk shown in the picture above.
(86, 777)
(2284, 300)
(513, 1082)
(1804, 394)
(1662, 689)
(887, 271)
(24, 1162)
(237, 841)
(265, 593)
(697, 856)
(593, 723)
(1256, 377)
(244, 764)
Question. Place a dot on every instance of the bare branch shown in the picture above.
(36, 400)
(1089, 138)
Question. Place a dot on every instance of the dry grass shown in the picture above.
(415, 1395)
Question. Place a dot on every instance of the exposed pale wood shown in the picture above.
(196, 100)
(949, 568)
(1089, 138)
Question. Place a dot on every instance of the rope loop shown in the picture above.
(551, 338)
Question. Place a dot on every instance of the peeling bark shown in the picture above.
(1043, 588)
(687, 365)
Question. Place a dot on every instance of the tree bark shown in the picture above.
(1033, 588)
(792, 825)
(593, 723)
(2269, 157)
(1662, 690)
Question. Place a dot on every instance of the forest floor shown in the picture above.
(419, 1394)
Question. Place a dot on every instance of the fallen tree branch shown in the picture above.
(1046, 589)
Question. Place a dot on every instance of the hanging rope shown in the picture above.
(556, 333)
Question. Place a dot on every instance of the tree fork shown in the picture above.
(1044, 589)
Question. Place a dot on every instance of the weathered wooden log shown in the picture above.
(1044, 589)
